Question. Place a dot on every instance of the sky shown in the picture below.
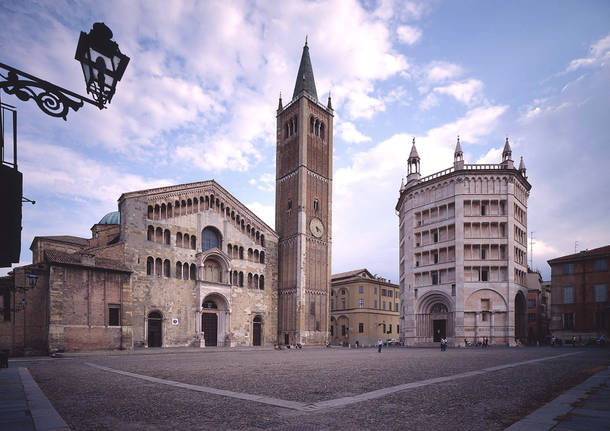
(199, 97)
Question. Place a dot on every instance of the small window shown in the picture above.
(342, 291)
(114, 315)
(568, 295)
(600, 320)
(435, 258)
(568, 268)
(316, 205)
(360, 289)
(600, 265)
(434, 278)
(384, 328)
(483, 210)
(435, 236)
(531, 317)
(453, 290)
(484, 316)
(361, 303)
(600, 292)
(383, 292)
(390, 306)
(483, 253)
(484, 275)
(375, 290)
(383, 305)
(375, 304)
(360, 328)
(568, 320)
(531, 303)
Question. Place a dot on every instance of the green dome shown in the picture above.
(111, 218)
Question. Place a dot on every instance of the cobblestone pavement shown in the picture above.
(90, 398)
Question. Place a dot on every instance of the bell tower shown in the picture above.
(303, 202)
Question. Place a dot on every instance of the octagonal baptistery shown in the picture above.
(204, 268)
(463, 252)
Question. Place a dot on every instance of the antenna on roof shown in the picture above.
(575, 246)
(532, 250)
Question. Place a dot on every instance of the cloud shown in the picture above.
(599, 54)
(266, 182)
(467, 92)
(408, 34)
(265, 212)
(440, 71)
(349, 133)
(494, 155)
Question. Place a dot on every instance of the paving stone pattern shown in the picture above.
(90, 398)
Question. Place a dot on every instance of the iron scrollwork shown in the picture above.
(51, 99)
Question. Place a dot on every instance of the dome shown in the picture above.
(111, 218)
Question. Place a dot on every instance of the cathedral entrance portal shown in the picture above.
(209, 323)
(257, 331)
(155, 326)
(440, 330)
(215, 320)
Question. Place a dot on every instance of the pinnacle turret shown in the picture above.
(305, 81)
(458, 156)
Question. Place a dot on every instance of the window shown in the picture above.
(600, 265)
(343, 332)
(316, 205)
(484, 275)
(434, 278)
(150, 266)
(343, 304)
(209, 239)
(435, 258)
(383, 305)
(568, 295)
(342, 291)
(390, 306)
(435, 236)
(483, 253)
(600, 292)
(361, 303)
(568, 268)
(289, 204)
(114, 315)
(398, 329)
(484, 316)
(360, 289)
(384, 328)
(483, 210)
(453, 290)
(360, 328)
(568, 320)
(332, 330)
(384, 292)
(396, 307)
(531, 317)
(531, 303)
(390, 329)
(375, 290)
(375, 304)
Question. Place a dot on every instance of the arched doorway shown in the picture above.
(435, 318)
(520, 317)
(257, 331)
(155, 329)
(214, 320)
(439, 316)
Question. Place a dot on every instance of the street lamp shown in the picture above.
(103, 66)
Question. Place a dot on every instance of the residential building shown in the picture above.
(364, 309)
(580, 305)
(463, 252)
(538, 308)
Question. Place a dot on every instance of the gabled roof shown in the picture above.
(76, 240)
(76, 259)
(582, 255)
(354, 273)
(305, 80)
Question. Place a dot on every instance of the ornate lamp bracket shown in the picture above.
(51, 99)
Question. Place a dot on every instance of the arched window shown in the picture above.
(149, 214)
(258, 236)
(285, 130)
(185, 240)
(241, 253)
(170, 212)
(163, 211)
(317, 128)
(262, 257)
(166, 236)
(159, 235)
(166, 265)
(185, 271)
(158, 267)
(178, 239)
(255, 281)
(235, 280)
(261, 282)
(311, 125)
(195, 205)
(193, 272)
(248, 229)
(249, 280)
(157, 212)
(235, 252)
(263, 240)
(151, 233)
(209, 239)
(241, 279)
(256, 256)
(193, 242)
(322, 131)
(178, 269)
(150, 266)
(183, 207)
(229, 250)
(210, 305)
(250, 253)
(296, 124)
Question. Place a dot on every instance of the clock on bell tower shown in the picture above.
(303, 205)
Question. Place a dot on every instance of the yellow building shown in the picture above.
(364, 309)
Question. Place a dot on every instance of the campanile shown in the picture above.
(303, 204)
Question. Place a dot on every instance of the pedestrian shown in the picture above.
(379, 344)
(573, 340)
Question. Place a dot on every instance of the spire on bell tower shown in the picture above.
(305, 81)
(458, 156)
(507, 161)
(329, 105)
(522, 168)
(413, 165)
(279, 105)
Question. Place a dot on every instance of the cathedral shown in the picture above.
(189, 264)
